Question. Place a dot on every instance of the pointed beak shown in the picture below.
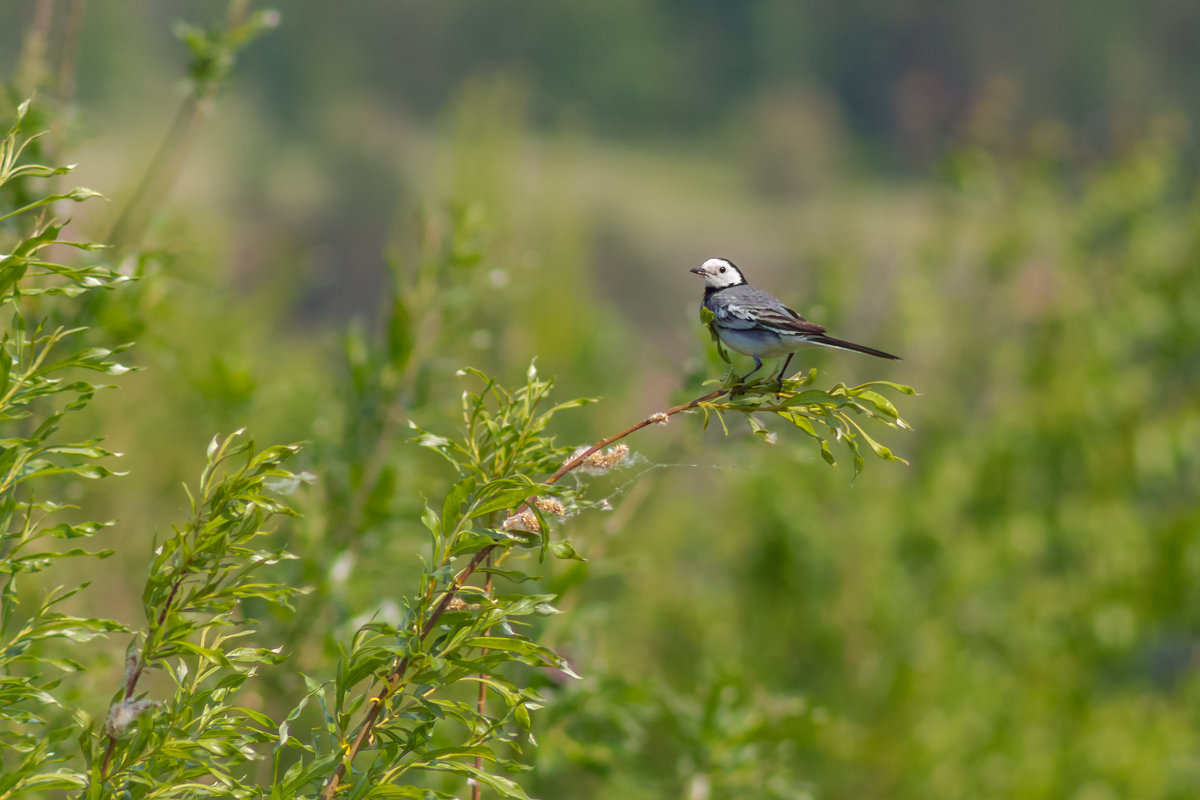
(697, 270)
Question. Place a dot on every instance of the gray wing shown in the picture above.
(745, 307)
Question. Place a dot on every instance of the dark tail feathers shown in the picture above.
(840, 344)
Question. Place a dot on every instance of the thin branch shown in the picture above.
(73, 27)
(159, 175)
(31, 65)
(168, 160)
(70, 56)
(658, 418)
(481, 702)
(134, 672)
(394, 678)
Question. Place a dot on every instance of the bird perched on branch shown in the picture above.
(752, 322)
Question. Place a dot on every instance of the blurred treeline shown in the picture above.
(900, 75)
(1002, 193)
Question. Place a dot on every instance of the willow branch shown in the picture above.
(394, 678)
(168, 160)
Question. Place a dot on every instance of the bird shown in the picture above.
(754, 323)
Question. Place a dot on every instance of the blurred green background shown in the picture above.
(1003, 193)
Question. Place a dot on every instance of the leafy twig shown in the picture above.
(197, 581)
(791, 404)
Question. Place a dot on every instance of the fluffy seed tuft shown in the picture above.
(550, 505)
(122, 715)
(525, 521)
(602, 461)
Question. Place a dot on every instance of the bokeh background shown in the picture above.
(1002, 192)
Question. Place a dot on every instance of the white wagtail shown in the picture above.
(754, 323)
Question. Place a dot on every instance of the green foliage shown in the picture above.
(214, 49)
(40, 364)
(199, 580)
(455, 637)
(822, 415)
(643, 738)
(1014, 616)
(200, 737)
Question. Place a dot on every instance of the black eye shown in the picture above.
(722, 269)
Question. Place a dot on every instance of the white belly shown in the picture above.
(759, 343)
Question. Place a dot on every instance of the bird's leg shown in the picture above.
(757, 367)
(779, 383)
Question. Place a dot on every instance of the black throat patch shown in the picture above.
(709, 291)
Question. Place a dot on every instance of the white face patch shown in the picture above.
(719, 273)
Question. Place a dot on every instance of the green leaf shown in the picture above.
(524, 651)
(757, 427)
(400, 334)
(899, 387)
(430, 519)
(504, 498)
(816, 397)
(387, 791)
(475, 539)
(881, 403)
(802, 422)
(880, 450)
(452, 505)
(512, 575)
(505, 787)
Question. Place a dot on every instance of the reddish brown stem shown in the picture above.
(573, 463)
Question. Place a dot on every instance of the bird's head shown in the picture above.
(719, 273)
